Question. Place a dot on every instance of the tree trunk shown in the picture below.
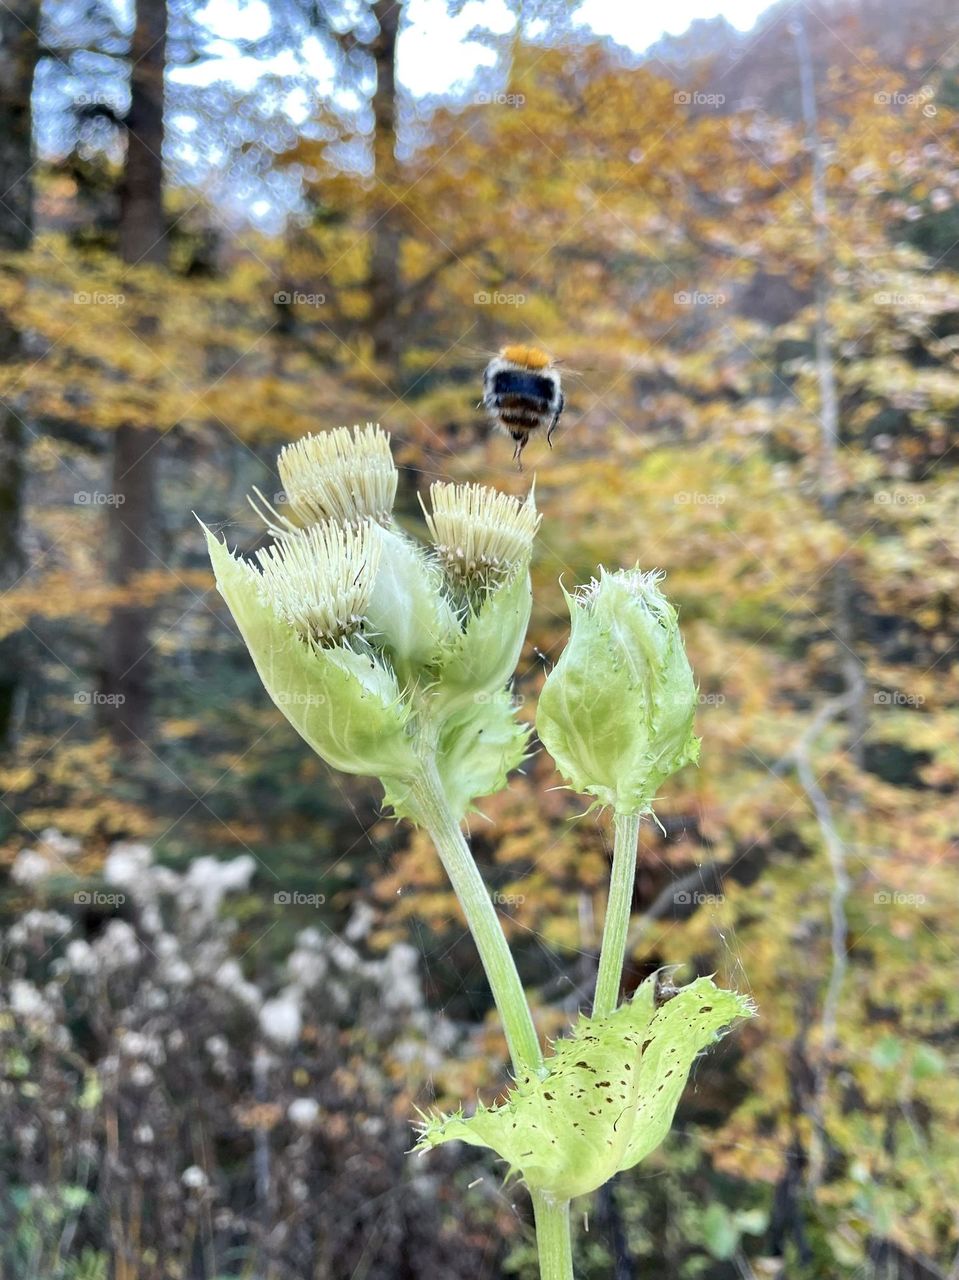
(133, 514)
(19, 20)
(385, 281)
(842, 587)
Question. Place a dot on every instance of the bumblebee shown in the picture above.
(522, 395)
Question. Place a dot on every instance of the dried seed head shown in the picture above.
(347, 475)
(320, 580)
(480, 534)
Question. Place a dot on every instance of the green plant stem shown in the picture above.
(482, 919)
(553, 1237)
(618, 906)
(552, 1216)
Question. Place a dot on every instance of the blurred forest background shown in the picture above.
(227, 978)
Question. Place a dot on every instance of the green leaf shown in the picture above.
(74, 1198)
(720, 1232)
(608, 1096)
(752, 1222)
(927, 1062)
(886, 1053)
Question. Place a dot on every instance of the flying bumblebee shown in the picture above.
(522, 394)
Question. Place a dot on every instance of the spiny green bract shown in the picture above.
(346, 705)
(476, 749)
(608, 1096)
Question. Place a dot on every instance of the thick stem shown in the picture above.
(618, 908)
(483, 922)
(553, 1238)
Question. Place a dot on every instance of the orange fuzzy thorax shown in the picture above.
(528, 357)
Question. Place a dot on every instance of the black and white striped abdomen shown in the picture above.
(521, 399)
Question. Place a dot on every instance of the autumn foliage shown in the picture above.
(721, 282)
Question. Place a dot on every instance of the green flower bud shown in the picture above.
(608, 1095)
(302, 617)
(616, 712)
(408, 611)
(483, 540)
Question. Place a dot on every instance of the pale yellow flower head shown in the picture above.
(481, 535)
(320, 581)
(346, 475)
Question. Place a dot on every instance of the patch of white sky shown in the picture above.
(438, 53)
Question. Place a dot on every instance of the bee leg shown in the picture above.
(518, 451)
(555, 422)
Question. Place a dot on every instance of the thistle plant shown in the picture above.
(392, 659)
